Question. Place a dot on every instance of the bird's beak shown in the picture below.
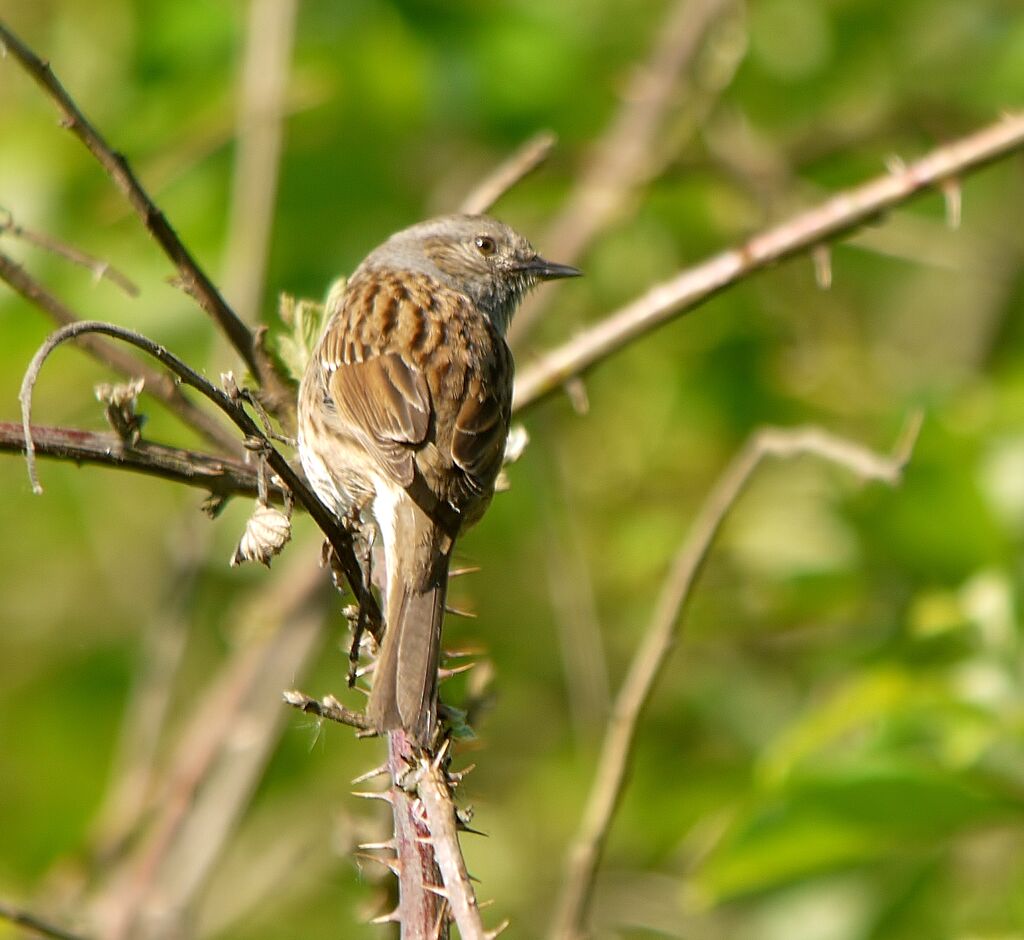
(547, 270)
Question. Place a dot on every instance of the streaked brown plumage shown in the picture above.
(404, 412)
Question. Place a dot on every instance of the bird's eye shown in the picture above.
(485, 244)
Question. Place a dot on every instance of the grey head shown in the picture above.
(474, 254)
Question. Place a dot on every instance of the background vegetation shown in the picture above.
(835, 750)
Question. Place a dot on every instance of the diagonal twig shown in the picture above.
(837, 216)
(193, 278)
(101, 270)
(519, 164)
(623, 158)
(584, 854)
(158, 384)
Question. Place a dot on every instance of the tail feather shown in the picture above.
(404, 693)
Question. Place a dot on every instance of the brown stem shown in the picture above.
(584, 854)
(221, 476)
(839, 215)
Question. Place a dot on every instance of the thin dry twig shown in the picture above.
(158, 384)
(101, 270)
(193, 278)
(623, 158)
(220, 476)
(837, 216)
(336, 534)
(22, 918)
(584, 854)
(329, 708)
(519, 165)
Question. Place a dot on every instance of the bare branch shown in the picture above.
(158, 384)
(437, 802)
(336, 534)
(519, 165)
(623, 158)
(100, 269)
(609, 779)
(37, 925)
(838, 216)
(221, 476)
(193, 278)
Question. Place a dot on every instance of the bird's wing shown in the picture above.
(386, 404)
(481, 427)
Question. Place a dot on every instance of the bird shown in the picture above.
(403, 416)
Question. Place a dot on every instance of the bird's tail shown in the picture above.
(404, 693)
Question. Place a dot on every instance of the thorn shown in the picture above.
(391, 864)
(454, 779)
(459, 572)
(443, 674)
(577, 393)
(441, 752)
(953, 196)
(500, 929)
(463, 654)
(462, 827)
(459, 612)
(425, 840)
(439, 890)
(371, 795)
(372, 846)
(482, 904)
(370, 774)
(821, 255)
(391, 917)
(895, 164)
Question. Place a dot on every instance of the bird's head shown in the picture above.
(474, 254)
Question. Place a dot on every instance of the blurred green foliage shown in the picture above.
(835, 749)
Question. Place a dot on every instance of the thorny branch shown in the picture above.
(193, 278)
(584, 854)
(158, 384)
(837, 216)
(340, 540)
(435, 794)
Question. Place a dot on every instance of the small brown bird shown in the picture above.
(403, 414)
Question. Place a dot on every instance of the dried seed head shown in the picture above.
(266, 533)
